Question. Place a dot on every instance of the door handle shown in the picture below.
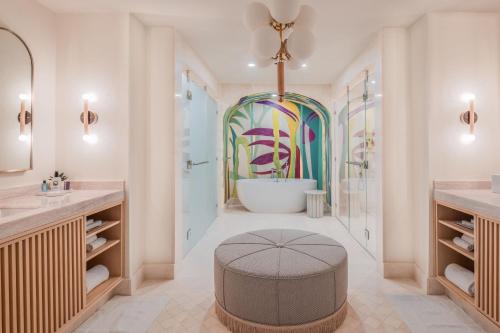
(363, 164)
(190, 163)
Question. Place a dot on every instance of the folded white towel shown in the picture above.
(95, 276)
(93, 225)
(461, 277)
(91, 239)
(89, 221)
(468, 239)
(463, 244)
(97, 243)
(467, 224)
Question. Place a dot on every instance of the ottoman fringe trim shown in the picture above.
(324, 325)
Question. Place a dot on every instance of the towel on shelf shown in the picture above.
(95, 276)
(461, 277)
(91, 239)
(466, 224)
(96, 243)
(89, 221)
(468, 239)
(93, 225)
(463, 244)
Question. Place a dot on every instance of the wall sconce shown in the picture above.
(24, 118)
(469, 118)
(88, 118)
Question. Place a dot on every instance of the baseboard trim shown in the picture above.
(398, 270)
(420, 277)
(434, 287)
(158, 271)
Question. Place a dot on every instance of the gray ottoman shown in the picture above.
(281, 280)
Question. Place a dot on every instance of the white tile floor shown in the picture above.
(371, 298)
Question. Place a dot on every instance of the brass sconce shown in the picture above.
(469, 118)
(24, 118)
(88, 118)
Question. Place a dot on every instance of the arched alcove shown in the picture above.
(292, 137)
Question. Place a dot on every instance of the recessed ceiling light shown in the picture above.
(303, 65)
(373, 82)
(251, 65)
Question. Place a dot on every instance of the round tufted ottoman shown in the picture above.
(280, 280)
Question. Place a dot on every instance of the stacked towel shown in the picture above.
(461, 277)
(95, 276)
(91, 224)
(91, 239)
(96, 243)
(468, 239)
(466, 224)
(463, 244)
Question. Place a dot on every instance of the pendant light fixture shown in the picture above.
(281, 34)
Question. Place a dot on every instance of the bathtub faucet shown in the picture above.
(273, 174)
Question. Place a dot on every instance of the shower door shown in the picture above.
(199, 158)
(356, 189)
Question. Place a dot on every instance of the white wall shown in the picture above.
(36, 26)
(397, 231)
(138, 141)
(92, 56)
(451, 53)
(160, 228)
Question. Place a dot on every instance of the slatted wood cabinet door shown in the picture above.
(487, 279)
(42, 279)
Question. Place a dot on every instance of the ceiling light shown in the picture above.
(251, 65)
(303, 65)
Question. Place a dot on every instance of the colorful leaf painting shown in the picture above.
(291, 137)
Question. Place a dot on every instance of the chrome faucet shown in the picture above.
(273, 174)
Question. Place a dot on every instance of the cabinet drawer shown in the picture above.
(488, 256)
(41, 279)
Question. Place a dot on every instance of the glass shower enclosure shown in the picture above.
(199, 174)
(356, 158)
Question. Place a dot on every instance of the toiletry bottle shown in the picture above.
(45, 186)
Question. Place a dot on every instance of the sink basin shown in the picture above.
(5, 212)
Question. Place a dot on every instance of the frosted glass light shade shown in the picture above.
(306, 18)
(256, 15)
(300, 44)
(265, 42)
(263, 62)
(293, 64)
(285, 11)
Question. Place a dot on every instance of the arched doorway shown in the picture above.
(292, 137)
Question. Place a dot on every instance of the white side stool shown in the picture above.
(315, 203)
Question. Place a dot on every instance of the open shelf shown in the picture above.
(457, 248)
(453, 288)
(106, 246)
(453, 225)
(105, 226)
(103, 288)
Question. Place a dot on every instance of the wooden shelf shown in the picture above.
(103, 288)
(106, 246)
(105, 226)
(453, 288)
(457, 248)
(453, 225)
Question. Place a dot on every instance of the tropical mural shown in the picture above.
(264, 136)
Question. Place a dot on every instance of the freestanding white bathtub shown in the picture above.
(265, 195)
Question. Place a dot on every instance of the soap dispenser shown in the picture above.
(45, 186)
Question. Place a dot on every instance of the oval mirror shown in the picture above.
(16, 84)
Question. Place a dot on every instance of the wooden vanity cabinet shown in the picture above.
(484, 261)
(42, 274)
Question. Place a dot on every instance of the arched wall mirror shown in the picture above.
(16, 111)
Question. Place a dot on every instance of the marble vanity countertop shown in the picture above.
(482, 201)
(29, 211)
